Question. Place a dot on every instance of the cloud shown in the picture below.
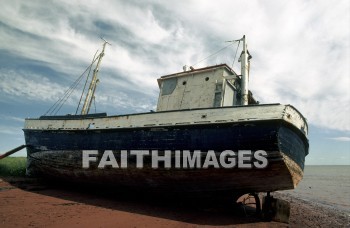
(341, 139)
(12, 118)
(28, 86)
(25, 87)
(300, 49)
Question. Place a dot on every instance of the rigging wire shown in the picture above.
(58, 104)
(87, 79)
(235, 54)
(68, 95)
(214, 53)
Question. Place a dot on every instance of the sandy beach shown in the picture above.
(29, 203)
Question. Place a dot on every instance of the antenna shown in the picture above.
(236, 40)
(105, 40)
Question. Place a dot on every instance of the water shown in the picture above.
(328, 185)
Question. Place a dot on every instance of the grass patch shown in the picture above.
(13, 166)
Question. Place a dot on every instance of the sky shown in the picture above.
(300, 53)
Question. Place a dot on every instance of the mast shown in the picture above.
(92, 88)
(244, 72)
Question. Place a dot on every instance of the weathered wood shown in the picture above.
(12, 151)
(198, 109)
(68, 165)
(58, 153)
(233, 114)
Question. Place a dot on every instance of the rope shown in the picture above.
(87, 79)
(68, 92)
(235, 54)
(59, 103)
(214, 53)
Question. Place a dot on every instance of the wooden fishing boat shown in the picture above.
(199, 111)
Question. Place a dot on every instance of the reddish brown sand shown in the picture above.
(27, 203)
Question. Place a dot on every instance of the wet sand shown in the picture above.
(29, 203)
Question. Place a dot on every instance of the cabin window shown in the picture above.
(218, 94)
(168, 86)
(207, 79)
(184, 83)
(217, 99)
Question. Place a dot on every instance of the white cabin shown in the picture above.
(214, 86)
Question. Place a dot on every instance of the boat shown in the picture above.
(199, 112)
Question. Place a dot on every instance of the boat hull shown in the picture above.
(58, 153)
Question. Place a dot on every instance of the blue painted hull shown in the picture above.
(58, 153)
